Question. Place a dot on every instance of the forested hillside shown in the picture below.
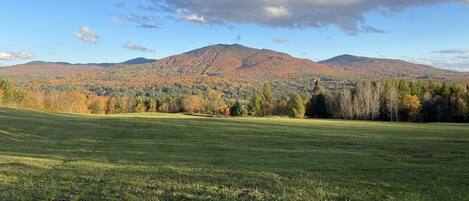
(256, 82)
(388, 100)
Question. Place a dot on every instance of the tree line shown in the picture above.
(384, 100)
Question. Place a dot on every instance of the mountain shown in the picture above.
(376, 67)
(235, 61)
(139, 60)
(46, 69)
(47, 63)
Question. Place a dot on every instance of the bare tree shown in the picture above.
(392, 101)
(374, 101)
(346, 104)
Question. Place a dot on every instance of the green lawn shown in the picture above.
(46, 156)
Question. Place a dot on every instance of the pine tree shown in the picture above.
(255, 105)
(403, 88)
(320, 107)
(238, 109)
(319, 104)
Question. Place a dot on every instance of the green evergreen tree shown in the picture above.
(255, 105)
(403, 88)
(267, 100)
(320, 106)
(238, 109)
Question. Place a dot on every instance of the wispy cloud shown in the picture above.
(142, 21)
(371, 29)
(9, 56)
(453, 51)
(87, 35)
(134, 46)
(120, 5)
(281, 39)
(457, 63)
(147, 8)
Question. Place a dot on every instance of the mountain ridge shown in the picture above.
(384, 66)
(238, 61)
(135, 61)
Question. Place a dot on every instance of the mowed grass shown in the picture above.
(46, 156)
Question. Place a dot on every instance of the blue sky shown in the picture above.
(431, 32)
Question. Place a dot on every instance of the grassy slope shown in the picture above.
(47, 156)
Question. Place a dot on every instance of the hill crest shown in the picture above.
(238, 61)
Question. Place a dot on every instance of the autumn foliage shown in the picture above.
(386, 100)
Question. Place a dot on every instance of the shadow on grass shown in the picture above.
(199, 156)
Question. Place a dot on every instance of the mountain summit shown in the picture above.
(377, 67)
(240, 61)
(139, 60)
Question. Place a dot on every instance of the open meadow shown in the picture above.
(150, 156)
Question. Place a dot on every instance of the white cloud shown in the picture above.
(25, 55)
(277, 12)
(348, 15)
(194, 18)
(9, 56)
(134, 46)
(87, 35)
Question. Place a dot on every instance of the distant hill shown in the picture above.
(53, 69)
(47, 63)
(140, 60)
(376, 67)
(236, 61)
(47, 69)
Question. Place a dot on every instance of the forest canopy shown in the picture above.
(384, 100)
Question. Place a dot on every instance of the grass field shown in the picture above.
(46, 156)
